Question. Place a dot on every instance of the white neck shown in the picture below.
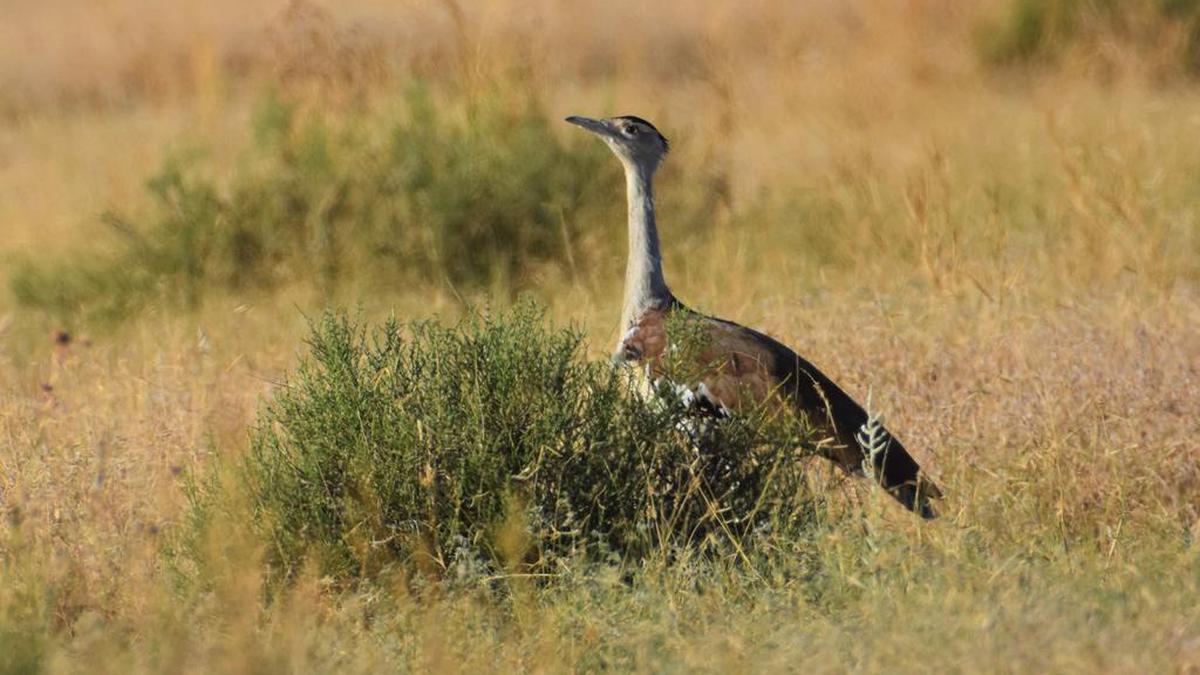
(645, 285)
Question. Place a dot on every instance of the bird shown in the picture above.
(740, 367)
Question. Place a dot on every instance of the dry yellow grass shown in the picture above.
(1040, 351)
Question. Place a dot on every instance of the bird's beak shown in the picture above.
(599, 127)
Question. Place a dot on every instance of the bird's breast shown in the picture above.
(645, 341)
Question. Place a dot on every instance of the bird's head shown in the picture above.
(634, 140)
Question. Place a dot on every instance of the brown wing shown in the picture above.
(741, 367)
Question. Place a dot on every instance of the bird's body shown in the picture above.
(736, 367)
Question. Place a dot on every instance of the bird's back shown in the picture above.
(738, 367)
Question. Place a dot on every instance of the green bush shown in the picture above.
(1033, 31)
(471, 193)
(492, 444)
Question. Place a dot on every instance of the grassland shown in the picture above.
(989, 221)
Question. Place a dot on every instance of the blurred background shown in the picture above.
(993, 147)
(983, 212)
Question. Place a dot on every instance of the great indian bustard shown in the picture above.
(740, 366)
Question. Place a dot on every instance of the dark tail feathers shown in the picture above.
(897, 472)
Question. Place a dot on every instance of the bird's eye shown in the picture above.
(631, 130)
